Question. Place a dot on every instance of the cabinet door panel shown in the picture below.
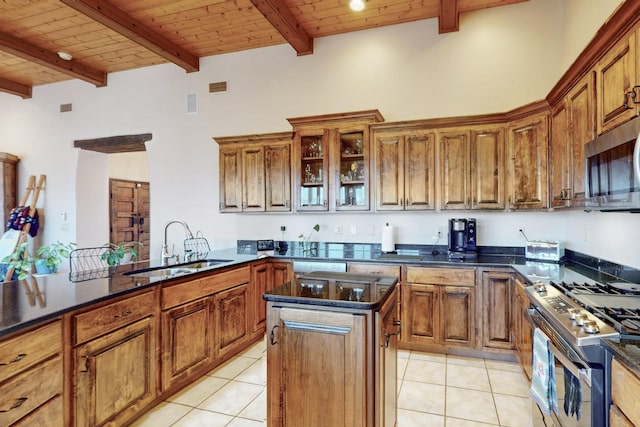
(230, 180)
(455, 169)
(582, 125)
(487, 169)
(419, 175)
(422, 314)
(278, 178)
(457, 312)
(306, 341)
(232, 319)
(559, 156)
(390, 173)
(253, 186)
(497, 317)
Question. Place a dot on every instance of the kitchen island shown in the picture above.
(332, 350)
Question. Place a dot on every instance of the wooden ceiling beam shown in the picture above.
(120, 22)
(279, 15)
(448, 20)
(15, 88)
(33, 53)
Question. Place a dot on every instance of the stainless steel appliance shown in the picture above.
(462, 238)
(575, 314)
(613, 169)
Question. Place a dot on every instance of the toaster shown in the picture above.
(544, 250)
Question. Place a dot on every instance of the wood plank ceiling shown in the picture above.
(116, 35)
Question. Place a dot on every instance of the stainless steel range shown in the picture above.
(575, 314)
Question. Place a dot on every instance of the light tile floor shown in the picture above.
(433, 391)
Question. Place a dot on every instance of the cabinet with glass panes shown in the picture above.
(332, 160)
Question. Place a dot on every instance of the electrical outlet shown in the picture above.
(283, 228)
(354, 229)
(337, 229)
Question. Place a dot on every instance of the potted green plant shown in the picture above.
(49, 257)
(21, 262)
(120, 251)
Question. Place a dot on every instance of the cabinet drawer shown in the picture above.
(392, 270)
(19, 353)
(29, 390)
(625, 387)
(96, 322)
(189, 291)
(442, 276)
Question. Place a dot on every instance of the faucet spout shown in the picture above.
(165, 249)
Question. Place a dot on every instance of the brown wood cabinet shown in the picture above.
(405, 170)
(232, 320)
(255, 173)
(527, 162)
(114, 371)
(472, 168)
(572, 125)
(522, 331)
(332, 350)
(31, 377)
(625, 386)
(616, 77)
(497, 287)
(8, 185)
(438, 308)
(266, 275)
(332, 160)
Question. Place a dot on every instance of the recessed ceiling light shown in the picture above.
(357, 5)
(64, 55)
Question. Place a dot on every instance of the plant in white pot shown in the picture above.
(49, 257)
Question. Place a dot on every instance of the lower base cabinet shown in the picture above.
(231, 314)
(625, 387)
(523, 332)
(497, 288)
(325, 369)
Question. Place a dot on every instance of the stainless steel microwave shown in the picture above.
(613, 169)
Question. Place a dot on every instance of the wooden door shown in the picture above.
(421, 314)
(581, 102)
(457, 316)
(528, 152)
(261, 281)
(615, 78)
(278, 178)
(301, 390)
(253, 185)
(115, 375)
(487, 158)
(496, 309)
(522, 329)
(129, 207)
(560, 156)
(232, 309)
(454, 169)
(419, 171)
(389, 172)
(386, 369)
(230, 179)
(187, 346)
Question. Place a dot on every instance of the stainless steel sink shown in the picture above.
(178, 269)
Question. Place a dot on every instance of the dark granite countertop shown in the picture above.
(626, 351)
(331, 289)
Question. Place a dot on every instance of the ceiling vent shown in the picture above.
(65, 108)
(217, 87)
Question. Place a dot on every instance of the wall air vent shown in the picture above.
(65, 108)
(217, 87)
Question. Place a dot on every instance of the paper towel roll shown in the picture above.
(388, 240)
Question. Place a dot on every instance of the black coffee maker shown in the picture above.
(462, 238)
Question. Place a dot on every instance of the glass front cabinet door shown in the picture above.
(331, 161)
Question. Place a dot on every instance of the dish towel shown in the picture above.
(543, 383)
(572, 395)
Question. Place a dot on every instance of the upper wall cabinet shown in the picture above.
(405, 170)
(616, 79)
(331, 161)
(255, 173)
(528, 146)
(572, 125)
(472, 168)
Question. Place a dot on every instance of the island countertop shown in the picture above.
(332, 289)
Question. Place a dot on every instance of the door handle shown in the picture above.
(272, 335)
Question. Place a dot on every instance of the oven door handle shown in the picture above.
(578, 372)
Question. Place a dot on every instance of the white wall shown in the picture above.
(500, 59)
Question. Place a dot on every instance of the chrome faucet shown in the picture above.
(165, 249)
